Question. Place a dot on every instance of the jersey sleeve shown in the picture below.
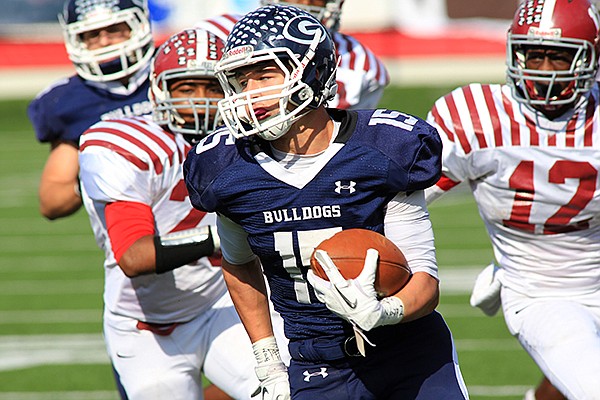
(220, 25)
(202, 166)
(413, 148)
(47, 126)
(234, 242)
(361, 75)
(407, 224)
(109, 172)
(455, 162)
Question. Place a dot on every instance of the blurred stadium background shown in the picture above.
(428, 42)
(50, 272)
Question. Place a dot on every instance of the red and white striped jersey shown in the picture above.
(361, 76)
(535, 181)
(135, 160)
(220, 25)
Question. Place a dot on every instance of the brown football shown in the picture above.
(348, 250)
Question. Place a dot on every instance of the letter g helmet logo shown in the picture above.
(302, 30)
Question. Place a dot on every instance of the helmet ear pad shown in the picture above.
(322, 85)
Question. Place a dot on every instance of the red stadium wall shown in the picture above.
(447, 56)
(386, 44)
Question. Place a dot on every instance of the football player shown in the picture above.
(168, 317)
(288, 173)
(530, 151)
(361, 76)
(110, 45)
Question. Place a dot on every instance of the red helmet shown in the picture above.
(191, 53)
(570, 25)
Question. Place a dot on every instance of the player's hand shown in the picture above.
(274, 382)
(270, 371)
(355, 300)
(486, 291)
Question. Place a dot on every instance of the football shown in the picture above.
(348, 250)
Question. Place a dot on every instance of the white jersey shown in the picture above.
(361, 76)
(135, 160)
(535, 182)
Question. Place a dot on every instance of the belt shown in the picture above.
(158, 329)
(323, 350)
(330, 349)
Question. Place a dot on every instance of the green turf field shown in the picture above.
(51, 284)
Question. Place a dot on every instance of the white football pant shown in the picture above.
(169, 367)
(562, 335)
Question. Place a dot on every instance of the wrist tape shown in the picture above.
(180, 248)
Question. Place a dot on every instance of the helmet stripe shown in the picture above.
(547, 14)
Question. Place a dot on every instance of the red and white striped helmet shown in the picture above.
(571, 25)
(191, 53)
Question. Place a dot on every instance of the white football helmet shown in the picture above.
(329, 13)
(300, 46)
(115, 61)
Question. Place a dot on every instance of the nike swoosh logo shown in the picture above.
(121, 355)
(351, 304)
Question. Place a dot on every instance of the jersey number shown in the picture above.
(522, 181)
(387, 117)
(307, 241)
(194, 217)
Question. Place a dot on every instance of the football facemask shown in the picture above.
(115, 61)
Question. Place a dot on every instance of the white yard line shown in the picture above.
(34, 317)
(481, 391)
(79, 395)
(18, 352)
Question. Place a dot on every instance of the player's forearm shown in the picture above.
(249, 294)
(139, 251)
(59, 184)
(160, 254)
(420, 296)
(59, 199)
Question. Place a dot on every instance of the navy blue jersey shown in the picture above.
(376, 155)
(67, 109)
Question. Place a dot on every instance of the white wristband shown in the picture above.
(393, 310)
(267, 357)
(266, 350)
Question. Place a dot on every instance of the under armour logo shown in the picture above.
(308, 375)
(349, 187)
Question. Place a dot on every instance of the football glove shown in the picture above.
(486, 291)
(355, 300)
(270, 371)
